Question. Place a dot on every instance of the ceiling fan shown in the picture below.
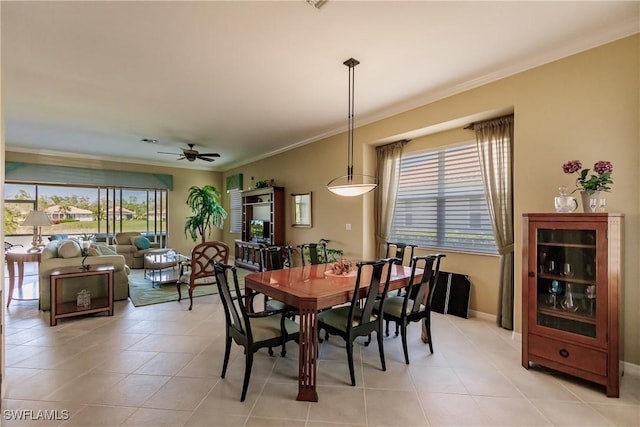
(191, 155)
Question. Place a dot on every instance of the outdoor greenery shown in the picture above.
(333, 255)
(21, 202)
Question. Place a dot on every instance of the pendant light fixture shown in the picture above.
(350, 184)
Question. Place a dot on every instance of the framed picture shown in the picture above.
(301, 205)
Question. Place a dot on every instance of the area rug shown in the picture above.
(141, 291)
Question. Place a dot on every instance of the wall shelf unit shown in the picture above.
(264, 205)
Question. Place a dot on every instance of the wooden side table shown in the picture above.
(18, 258)
(61, 309)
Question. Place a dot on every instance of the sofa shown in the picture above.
(134, 246)
(67, 253)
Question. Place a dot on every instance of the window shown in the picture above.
(235, 197)
(76, 210)
(441, 202)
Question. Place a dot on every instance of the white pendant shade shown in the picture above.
(356, 185)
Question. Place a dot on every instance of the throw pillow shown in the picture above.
(92, 251)
(105, 250)
(69, 249)
(142, 243)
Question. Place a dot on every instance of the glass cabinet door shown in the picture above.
(567, 295)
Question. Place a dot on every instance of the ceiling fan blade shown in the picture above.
(210, 154)
(181, 158)
(206, 159)
(166, 152)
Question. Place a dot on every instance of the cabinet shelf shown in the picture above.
(567, 245)
(563, 314)
(576, 280)
(266, 204)
(71, 308)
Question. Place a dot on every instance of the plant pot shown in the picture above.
(590, 201)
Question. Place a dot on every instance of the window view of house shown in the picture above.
(86, 210)
(441, 202)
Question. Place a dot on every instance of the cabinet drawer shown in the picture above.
(568, 354)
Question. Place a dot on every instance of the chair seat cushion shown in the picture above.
(274, 304)
(266, 328)
(393, 306)
(186, 277)
(339, 316)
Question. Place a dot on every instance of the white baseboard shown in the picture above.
(482, 315)
(631, 369)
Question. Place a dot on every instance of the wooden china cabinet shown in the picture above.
(571, 279)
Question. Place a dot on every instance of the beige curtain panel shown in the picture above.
(495, 150)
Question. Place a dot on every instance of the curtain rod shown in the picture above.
(473, 125)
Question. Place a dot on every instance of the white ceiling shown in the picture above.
(246, 79)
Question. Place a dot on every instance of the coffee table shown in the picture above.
(160, 268)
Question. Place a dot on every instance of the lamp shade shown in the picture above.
(352, 185)
(37, 219)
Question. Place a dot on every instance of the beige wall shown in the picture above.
(182, 180)
(583, 107)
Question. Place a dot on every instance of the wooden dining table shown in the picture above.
(310, 289)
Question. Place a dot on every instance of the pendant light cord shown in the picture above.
(351, 63)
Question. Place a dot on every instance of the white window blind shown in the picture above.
(235, 197)
(441, 202)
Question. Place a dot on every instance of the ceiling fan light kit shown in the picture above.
(351, 185)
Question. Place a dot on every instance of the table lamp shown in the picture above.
(36, 219)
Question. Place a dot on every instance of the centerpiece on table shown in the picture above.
(591, 186)
(341, 268)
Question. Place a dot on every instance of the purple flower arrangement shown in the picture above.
(599, 181)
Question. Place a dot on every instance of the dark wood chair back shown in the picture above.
(317, 253)
(275, 257)
(398, 250)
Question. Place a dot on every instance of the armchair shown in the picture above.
(132, 246)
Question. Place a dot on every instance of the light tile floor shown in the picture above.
(160, 366)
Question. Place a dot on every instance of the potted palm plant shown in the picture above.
(205, 203)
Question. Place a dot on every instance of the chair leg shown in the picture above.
(285, 336)
(190, 297)
(397, 328)
(227, 352)
(427, 322)
(247, 374)
(350, 359)
(381, 348)
(368, 341)
(404, 343)
(386, 331)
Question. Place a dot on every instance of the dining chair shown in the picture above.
(357, 318)
(201, 271)
(276, 258)
(317, 253)
(252, 331)
(397, 250)
(415, 302)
